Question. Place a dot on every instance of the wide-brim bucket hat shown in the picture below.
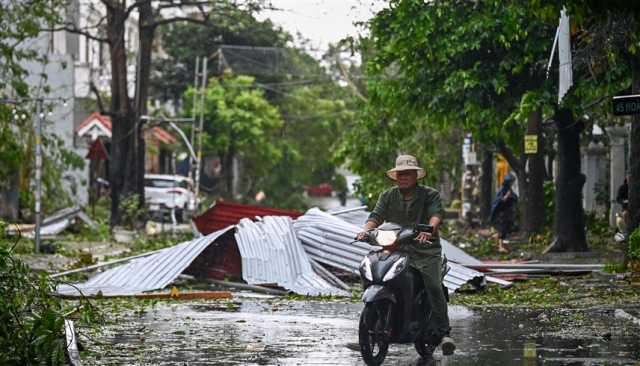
(405, 162)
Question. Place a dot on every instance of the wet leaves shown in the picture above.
(573, 292)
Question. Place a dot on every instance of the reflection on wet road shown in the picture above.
(275, 332)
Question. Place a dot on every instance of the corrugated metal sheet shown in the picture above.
(52, 225)
(224, 214)
(271, 253)
(329, 239)
(357, 216)
(145, 274)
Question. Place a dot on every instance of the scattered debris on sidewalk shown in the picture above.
(621, 314)
(53, 224)
(72, 343)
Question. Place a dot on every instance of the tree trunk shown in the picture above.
(122, 117)
(10, 198)
(486, 185)
(227, 167)
(146, 30)
(530, 172)
(127, 164)
(569, 222)
(534, 174)
(634, 162)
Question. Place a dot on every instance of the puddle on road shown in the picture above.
(274, 332)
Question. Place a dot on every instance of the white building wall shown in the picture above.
(59, 81)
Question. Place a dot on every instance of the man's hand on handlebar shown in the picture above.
(362, 235)
(424, 237)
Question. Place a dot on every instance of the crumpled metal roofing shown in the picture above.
(328, 239)
(271, 253)
(357, 216)
(53, 224)
(144, 274)
(224, 213)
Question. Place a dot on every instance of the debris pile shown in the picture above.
(271, 251)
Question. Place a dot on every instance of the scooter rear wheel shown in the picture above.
(373, 343)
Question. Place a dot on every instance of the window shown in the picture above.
(165, 183)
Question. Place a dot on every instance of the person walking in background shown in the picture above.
(623, 199)
(503, 212)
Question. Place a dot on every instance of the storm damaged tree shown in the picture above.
(126, 168)
(612, 47)
(569, 225)
(474, 66)
(605, 46)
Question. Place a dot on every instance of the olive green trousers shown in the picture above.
(430, 266)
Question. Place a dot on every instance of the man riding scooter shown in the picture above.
(409, 204)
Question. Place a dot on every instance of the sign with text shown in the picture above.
(531, 144)
(625, 105)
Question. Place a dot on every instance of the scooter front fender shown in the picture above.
(375, 293)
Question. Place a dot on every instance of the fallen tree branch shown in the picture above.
(164, 295)
(244, 286)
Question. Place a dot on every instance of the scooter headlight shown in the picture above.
(365, 269)
(396, 268)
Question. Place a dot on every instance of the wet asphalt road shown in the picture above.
(274, 332)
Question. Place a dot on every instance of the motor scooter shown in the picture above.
(396, 307)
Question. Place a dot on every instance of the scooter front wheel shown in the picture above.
(372, 335)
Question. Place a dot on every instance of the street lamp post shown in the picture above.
(38, 147)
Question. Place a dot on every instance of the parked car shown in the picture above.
(165, 193)
(321, 190)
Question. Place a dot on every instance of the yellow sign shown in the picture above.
(531, 144)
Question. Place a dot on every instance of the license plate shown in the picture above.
(154, 207)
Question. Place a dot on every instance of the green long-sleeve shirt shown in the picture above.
(392, 207)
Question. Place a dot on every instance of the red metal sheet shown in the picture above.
(220, 260)
(225, 213)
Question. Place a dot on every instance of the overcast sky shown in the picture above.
(322, 21)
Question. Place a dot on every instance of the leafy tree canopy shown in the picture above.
(437, 69)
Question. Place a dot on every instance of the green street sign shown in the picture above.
(625, 105)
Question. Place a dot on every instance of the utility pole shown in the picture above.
(38, 211)
(203, 85)
(194, 110)
(39, 116)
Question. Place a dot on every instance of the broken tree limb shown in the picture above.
(537, 266)
(72, 343)
(499, 281)
(323, 272)
(621, 314)
(165, 295)
(100, 265)
(244, 286)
